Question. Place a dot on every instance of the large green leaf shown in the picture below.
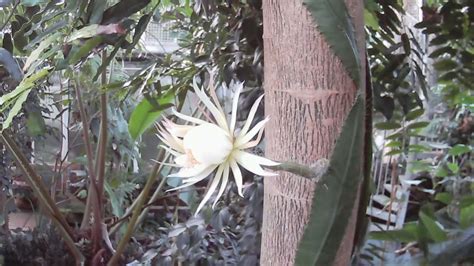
(335, 194)
(17, 97)
(334, 22)
(145, 114)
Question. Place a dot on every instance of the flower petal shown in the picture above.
(173, 152)
(235, 103)
(171, 141)
(175, 129)
(237, 176)
(193, 180)
(242, 155)
(210, 191)
(252, 163)
(193, 171)
(188, 118)
(225, 179)
(218, 115)
(252, 112)
(244, 139)
(201, 176)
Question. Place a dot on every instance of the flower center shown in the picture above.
(207, 144)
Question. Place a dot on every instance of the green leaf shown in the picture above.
(414, 114)
(35, 124)
(394, 144)
(387, 125)
(445, 65)
(409, 233)
(145, 114)
(114, 201)
(435, 231)
(459, 149)
(84, 50)
(444, 197)
(334, 22)
(418, 125)
(16, 108)
(453, 167)
(86, 32)
(335, 194)
(19, 95)
(371, 20)
(39, 50)
(33, 2)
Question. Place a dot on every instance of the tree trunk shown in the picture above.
(308, 94)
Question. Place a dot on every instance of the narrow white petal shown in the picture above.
(165, 163)
(171, 141)
(225, 179)
(237, 177)
(235, 103)
(251, 163)
(175, 129)
(252, 143)
(210, 191)
(212, 93)
(173, 152)
(188, 118)
(193, 180)
(254, 158)
(252, 112)
(243, 139)
(193, 171)
(199, 177)
(218, 115)
(182, 186)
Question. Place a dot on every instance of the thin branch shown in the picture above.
(93, 196)
(100, 166)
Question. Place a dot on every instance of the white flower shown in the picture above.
(201, 148)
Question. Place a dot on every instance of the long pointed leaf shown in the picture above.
(334, 22)
(335, 195)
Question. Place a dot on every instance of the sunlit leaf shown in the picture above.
(459, 149)
(145, 114)
(433, 227)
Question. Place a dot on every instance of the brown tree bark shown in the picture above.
(308, 94)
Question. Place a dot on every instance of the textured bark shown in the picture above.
(308, 94)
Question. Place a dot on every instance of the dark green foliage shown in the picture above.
(335, 194)
(450, 27)
(394, 58)
(333, 20)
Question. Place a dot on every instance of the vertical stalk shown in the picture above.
(93, 196)
(100, 166)
(136, 213)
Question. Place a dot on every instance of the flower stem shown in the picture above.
(316, 171)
